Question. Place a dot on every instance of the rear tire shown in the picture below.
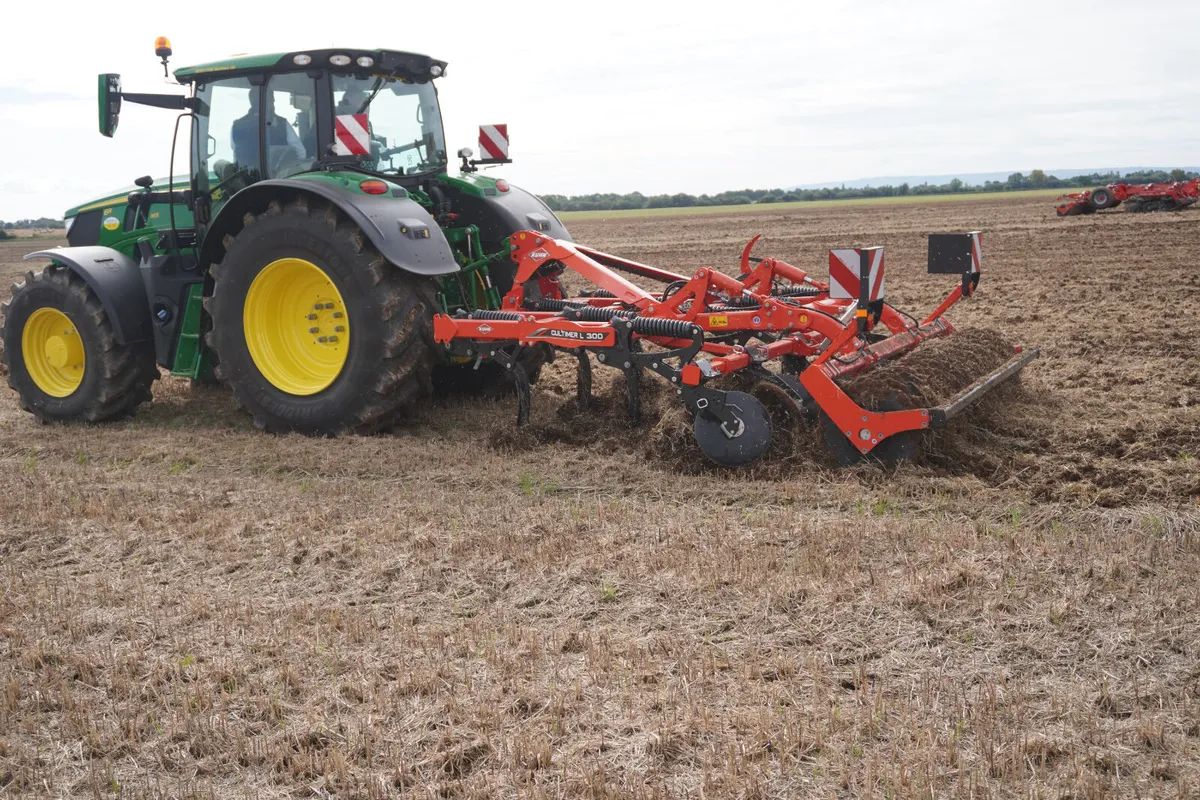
(62, 356)
(291, 378)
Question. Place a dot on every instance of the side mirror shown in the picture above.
(109, 97)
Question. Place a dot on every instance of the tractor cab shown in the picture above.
(278, 116)
(368, 112)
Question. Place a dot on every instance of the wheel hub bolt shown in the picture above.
(339, 328)
(323, 339)
(311, 316)
(314, 330)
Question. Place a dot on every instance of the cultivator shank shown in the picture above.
(702, 327)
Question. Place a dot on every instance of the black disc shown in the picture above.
(751, 439)
(891, 451)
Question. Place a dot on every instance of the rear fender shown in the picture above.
(400, 229)
(117, 282)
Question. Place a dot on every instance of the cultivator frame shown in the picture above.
(818, 331)
(1171, 196)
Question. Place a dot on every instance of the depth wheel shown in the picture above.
(313, 329)
(62, 356)
(748, 443)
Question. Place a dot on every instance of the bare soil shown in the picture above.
(191, 608)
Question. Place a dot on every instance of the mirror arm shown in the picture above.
(174, 102)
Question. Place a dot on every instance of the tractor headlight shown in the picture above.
(69, 223)
(302, 60)
(339, 61)
(366, 61)
(436, 70)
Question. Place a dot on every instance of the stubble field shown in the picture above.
(191, 608)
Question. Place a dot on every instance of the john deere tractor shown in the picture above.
(300, 260)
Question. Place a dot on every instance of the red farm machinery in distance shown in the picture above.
(699, 328)
(1135, 197)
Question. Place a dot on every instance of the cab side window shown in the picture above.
(228, 134)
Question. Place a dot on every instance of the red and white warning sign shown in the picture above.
(350, 135)
(493, 141)
(844, 268)
(976, 250)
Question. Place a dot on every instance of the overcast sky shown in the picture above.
(650, 97)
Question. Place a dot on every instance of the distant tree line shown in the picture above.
(27, 224)
(1037, 179)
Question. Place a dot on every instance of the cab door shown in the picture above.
(227, 143)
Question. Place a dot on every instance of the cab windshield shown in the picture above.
(388, 125)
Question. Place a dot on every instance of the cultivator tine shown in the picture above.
(633, 387)
(524, 395)
(516, 371)
(583, 379)
(633, 398)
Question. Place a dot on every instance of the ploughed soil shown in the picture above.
(580, 608)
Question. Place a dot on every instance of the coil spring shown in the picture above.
(741, 301)
(718, 309)
(798, 291)
(594, 314)
(671, 328)
(600, 293)
(549, 304)
(496, 315)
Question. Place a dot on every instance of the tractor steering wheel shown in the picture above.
(392, 151)
(237, 173)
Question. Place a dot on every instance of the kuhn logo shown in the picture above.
(539, 254)
(484, 329)
(585, 336)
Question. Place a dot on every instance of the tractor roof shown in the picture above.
(412, 66)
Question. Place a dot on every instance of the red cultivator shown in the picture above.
(1136, 197)
(710, 325)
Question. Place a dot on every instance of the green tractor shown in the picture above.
(300, 261)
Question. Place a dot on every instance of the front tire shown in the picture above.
(313, 329)
(62, 356)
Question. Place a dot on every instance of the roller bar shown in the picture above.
(942, 414)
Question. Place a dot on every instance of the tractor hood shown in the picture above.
(121, 196)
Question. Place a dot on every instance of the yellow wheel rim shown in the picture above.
(53, 352)
(296, 326)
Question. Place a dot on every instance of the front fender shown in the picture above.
(115, 279)
(400, 229)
